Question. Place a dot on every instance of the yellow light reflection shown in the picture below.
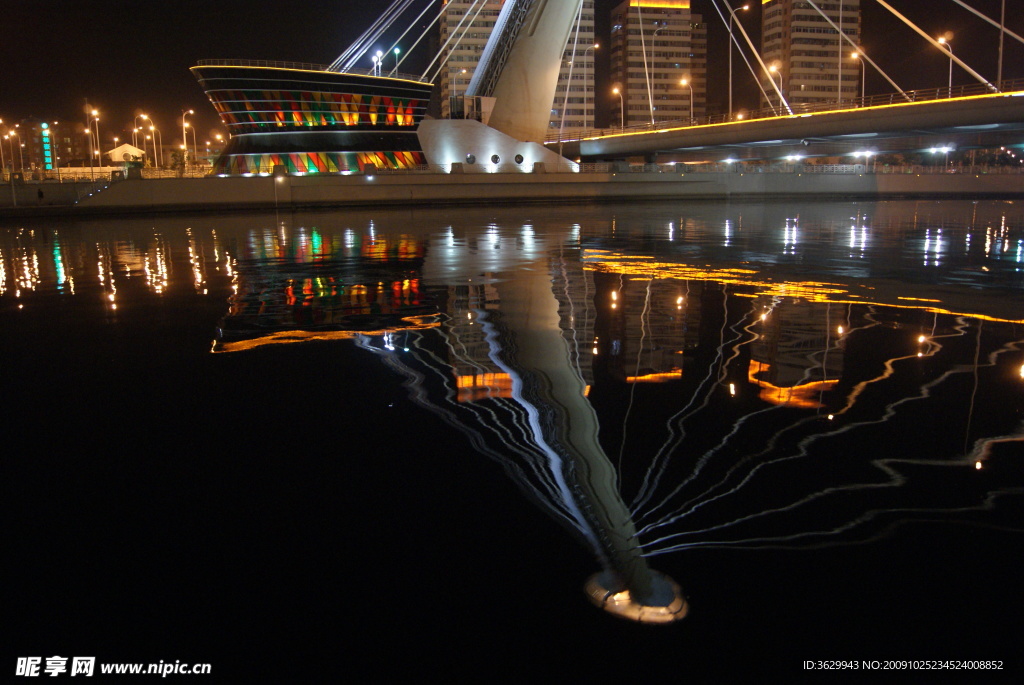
(803, 396)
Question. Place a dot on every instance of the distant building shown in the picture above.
(810, 61)
(464, 34)
(658, 62)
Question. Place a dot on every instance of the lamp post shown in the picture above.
(158, 153)
(3, 164)
(686, 82)
(397, 52)
(586, 83)
(88, 132)
(96, 120)
(375, 65)
(10, 134)
(863, 67)
(944, 41)
(774, 69)
(184, 134)
(732, 16)
(138, 128)
(622, 108)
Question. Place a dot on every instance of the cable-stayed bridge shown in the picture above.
(957, 118)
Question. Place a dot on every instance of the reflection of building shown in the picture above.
(467, 44)
(655, 45)
(309, 120)
(811, 62)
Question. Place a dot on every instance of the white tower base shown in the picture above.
(477, 148)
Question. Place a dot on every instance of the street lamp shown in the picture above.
(586, 82)
(184, 135)
(732, 16)
(774, 69)
(96, 120)
(397, 51)
(138, 128)
(944, 41)
(11, 133)
(622, 108)
(3, 164)
(158, 153)
(686, 82)
(863, 68)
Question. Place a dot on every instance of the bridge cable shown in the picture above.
(455, 32)
(568, 79)
(760, 61)
(870, 61)
(938, 46)
(355, 52)
(425, 30)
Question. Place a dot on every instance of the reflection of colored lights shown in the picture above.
(670, 375)
(812, 291)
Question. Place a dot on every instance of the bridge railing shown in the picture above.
(922, 95)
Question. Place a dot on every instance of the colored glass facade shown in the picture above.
(310, 120)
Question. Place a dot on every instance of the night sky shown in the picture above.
(129, 57)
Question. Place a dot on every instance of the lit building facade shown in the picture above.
(305, 119)
(465, 31)
(658, 62)
(811, 62)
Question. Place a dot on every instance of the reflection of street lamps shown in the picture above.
(732, 16)
(686, 82)
(863, 67)
(586, 82)
(622, 108)
(944, 41)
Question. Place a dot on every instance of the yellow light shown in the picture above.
(921, 338)
(732, 389)
(1022, 371)
(977, 465)
(840, 330)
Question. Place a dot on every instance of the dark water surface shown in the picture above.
(308, 447)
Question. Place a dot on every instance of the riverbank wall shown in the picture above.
(139, 196)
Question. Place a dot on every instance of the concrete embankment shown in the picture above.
(387, 190)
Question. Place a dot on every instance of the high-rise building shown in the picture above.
(465, 29)
(658, 62)
(809, 62)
